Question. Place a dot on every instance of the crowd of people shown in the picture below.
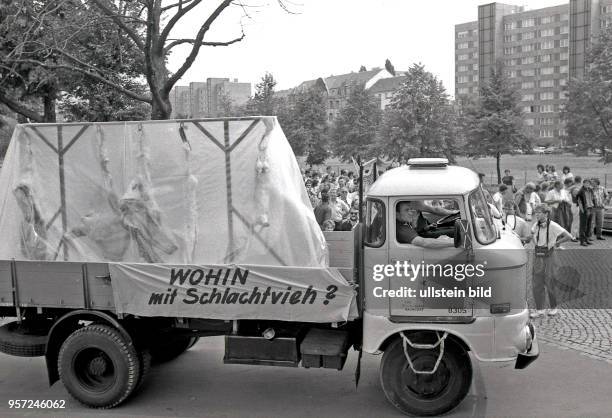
(334, 197)
(549, 211)
(576, 204)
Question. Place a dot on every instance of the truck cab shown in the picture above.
(412, 291)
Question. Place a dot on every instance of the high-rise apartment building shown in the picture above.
(539, 49)
(204, 99)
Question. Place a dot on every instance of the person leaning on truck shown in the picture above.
(406, 216)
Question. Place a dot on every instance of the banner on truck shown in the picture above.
(302, 294)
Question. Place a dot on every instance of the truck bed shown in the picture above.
(75, 285)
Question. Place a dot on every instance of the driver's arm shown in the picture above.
(432, 242)
(424, 207)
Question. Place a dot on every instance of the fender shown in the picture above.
(65, 326)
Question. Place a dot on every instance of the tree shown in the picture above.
(493, 124)
(225, 104)
(354, 129)
(362, 69)
(147, 26)
(263, 102)
(305, 124)
(415, 124)
(94, 102)
(588, 112)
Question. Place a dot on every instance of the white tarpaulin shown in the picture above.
(193, 192)
(302, 294)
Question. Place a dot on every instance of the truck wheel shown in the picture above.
(144, 358)
(425, 394)
(23, 340)
(98, 367)
(171, 348)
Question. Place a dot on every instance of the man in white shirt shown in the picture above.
(516, 223)
(340, 209)
(548, 236)
(532, 201)
(554, 197)
(498, 197)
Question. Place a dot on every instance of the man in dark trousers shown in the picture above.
(585, 201)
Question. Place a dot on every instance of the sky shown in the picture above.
(319, 38)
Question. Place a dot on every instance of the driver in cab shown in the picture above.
(406, 218)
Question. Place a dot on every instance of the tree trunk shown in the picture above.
(49, 107)
(162, 108)
(498, 158)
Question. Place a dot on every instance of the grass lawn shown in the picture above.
(522, 167)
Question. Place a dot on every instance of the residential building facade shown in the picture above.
(205, 99)
(539, 49)
(337, 88)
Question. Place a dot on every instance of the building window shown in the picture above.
(474, 55)
(563, 69)
(546, 133)
(475, 78)
(475, 67)
(564, 29)
(564, 43)
(563, 82)
(462, 68)
(528, 35)
(547, 95)
(528, 97)
(512, 74)
(547, 45)
(528, 60)
(547, 109)
(545, 58)
(547, 32)
(528, 23)
(547, 83)
(564, 17)
(564, 56)
(546, 20)
(509, 25)
(563, 94)
(462, 45)
(546, 121)
(530, 72)
(527, 85)
(528, 109)
(463, 79)
(508, 38)
(606, 9)
(527, 48)
(462, 34)
(508, 51)
(463, 90)
(529, 122)
(462, 57)
(547, 70)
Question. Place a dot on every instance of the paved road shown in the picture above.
(560, 383)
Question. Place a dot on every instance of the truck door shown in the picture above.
(429, 272)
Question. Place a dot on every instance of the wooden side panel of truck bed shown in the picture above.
(74, 285)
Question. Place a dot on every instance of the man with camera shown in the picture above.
(547, 236)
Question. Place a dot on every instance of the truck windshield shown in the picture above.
(484, 230)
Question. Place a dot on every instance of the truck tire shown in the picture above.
(422, 394)
(98, 367)
(23, 340)
(171, 348)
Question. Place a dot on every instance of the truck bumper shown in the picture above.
(525, 359)
(490, 338)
